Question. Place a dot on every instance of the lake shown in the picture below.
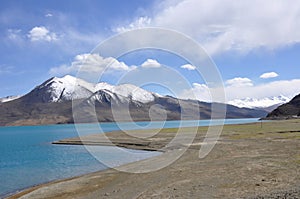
(28, 158)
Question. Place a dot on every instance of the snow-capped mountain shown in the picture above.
(259, 103)
(9, 98)
(71, 88)
(51, 103)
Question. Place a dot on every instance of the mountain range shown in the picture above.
(267, 103)
(60, 100)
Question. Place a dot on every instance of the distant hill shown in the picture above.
(288, 110)
(58, 100)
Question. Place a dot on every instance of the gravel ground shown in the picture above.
(290, 194)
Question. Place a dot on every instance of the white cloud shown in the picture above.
(138, 23)
(92, 64)
(198, 91)
(239, 82)
(268, 75)
(151, 63)
(41, 33)
(275, 88)
(272, 89)
(14, 34)
(221, 25)
(188, 67)
(48, 15)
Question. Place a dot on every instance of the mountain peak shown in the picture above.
(66, 88)
(61, 89)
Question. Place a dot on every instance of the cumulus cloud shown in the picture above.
(91, 63)
(239, 82)
(269, 75)
(188, 67)
(222, 25)
(41, 33)
(151, 63)
(276, 88)
(198, 91)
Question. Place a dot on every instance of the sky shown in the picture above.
(254, 44)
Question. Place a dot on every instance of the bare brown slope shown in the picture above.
(288, 110)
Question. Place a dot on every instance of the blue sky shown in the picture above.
(41, 39)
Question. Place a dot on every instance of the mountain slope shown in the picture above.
(288, 110)
(57, 99)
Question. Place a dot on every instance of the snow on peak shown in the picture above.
(69, 88)
(9, 98)
(133, 92)
(103, 86)
(259, 103)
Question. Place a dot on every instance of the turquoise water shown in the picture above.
(28, 158)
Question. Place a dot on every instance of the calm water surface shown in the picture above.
(28, 158)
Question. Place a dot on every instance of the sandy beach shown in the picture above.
(249, 161)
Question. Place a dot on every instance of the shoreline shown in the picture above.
(18, 189)
(106, 122)
(26, 190)
(19, 193)
(29, 189)
(23, 192)
(288, 132)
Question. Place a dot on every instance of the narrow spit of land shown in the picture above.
(249, 161)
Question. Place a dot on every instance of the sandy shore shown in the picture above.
(247, 162)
